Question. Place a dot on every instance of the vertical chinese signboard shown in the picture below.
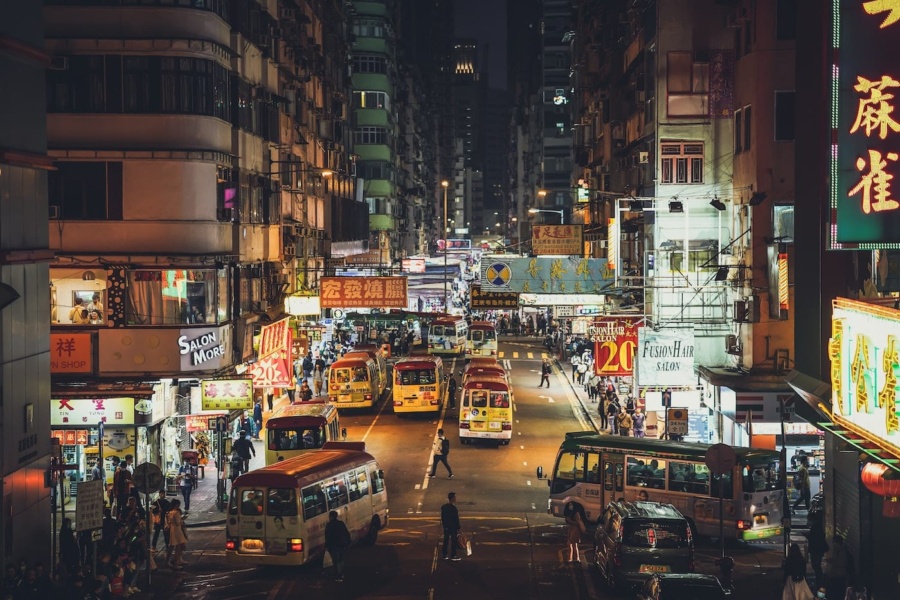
(273, 363)
(615, 341)
(557, 239)
(865, 199)
(363, 292)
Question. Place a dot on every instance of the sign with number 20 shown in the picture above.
(615, 342)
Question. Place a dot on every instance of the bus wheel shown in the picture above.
(372, 535)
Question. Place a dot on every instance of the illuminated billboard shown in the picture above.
(865, 361)
(865, 201)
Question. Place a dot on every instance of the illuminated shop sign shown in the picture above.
(83, 411)
(865, 201)
(665, 358)
(864, 348)
(201, 345)
(615, 341)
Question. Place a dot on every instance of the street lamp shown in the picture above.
(561, 213)
(445, 184)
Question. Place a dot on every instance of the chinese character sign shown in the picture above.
(493, 300)
(363, 292)
(865, 194)
(545, 274)
(615, 341)
(88, 412)
(865, 361)
(557, 239)
(226, 394)
(71, 353)
(273, 363)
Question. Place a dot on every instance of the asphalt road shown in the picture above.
(518, 547)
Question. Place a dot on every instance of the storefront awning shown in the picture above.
(102, 390)
(815, 396)
(874, 451)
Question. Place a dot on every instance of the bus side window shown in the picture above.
(619, 476)
(282, 503)
(726, 487)
(608, 476)
(251, 503)
(362, 481)
(313, 501)
(593, 473)
(377, 481)
(353, 486)
(336, 490)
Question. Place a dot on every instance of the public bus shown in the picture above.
(377, 354)
(480, 370)
(277, 514)
(419, 384)
(353, 382)
(485, 410)
(481, 340)
(593, 470)
(447, 335)
(299, 428)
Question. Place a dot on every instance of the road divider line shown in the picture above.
(528, 482)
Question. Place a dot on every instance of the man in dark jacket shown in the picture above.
(159, 509)
(441, 451)
(451, 391)
(450, 523)
(244, 448)
(337, 540)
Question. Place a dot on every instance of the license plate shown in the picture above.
(494, 425)
(344, 399)
(654, 569)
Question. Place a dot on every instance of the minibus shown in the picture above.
(376, 354)
(485, 410)
(447, 335)
(419, 384)
(298, 428)
(353, 382)
(481, 340)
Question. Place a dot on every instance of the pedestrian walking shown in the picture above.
(337, 541)
(576, 362)
(451, 391)
(318, 378)
(545, 373)
(801, 484)
(625, 423)
(257, 416)
(305, 393)
(638, 419)
(177, 536)
(576, 528)
(612, 411)
(581, 372)
(185, 482)
(441, 451)
(451, 525)
(602, 407)
(244, 448)
(158, 511)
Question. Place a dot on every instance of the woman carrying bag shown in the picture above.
(177, 536)
(795, 586)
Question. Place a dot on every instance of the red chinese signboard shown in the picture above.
(71, 353)
(363, 292)
(615, 342)
(557, 239)
(273, 363)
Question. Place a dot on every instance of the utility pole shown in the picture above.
(445, 184)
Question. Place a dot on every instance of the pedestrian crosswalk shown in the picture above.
(529, 355)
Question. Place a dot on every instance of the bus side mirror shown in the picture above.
(343, 433)
(540, 472)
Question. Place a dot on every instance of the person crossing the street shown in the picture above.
(451, 525)
(441, 450)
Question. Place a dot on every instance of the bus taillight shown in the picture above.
(332, 398)
(464, 425)
(507, 426)
(744, 525)
(398, 402)
(230, 544)
(296, 545)
(368, 396)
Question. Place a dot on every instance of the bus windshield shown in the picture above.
(417, 377)
(439, 330)
(761, 477)
(499, 400)
(301, 438)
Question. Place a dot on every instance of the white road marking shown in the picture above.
(549, 399)
(521, 447)
(418, 486)
(525, 463)
(533, 507)
(528, 482)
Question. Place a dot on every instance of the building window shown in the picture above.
(174, 297)
(371, 100)
(90, 191)
(369, 170)
(687, 84)
(748, 126)
(370, 63)
(784, 116)
(786, 19)
(738, 130)
(681, 162)
(371, 28)
(370, 135)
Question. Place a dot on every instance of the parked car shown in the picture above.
(692, 586)
(634, 540)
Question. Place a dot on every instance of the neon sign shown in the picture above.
(865, 156)
(865, 363)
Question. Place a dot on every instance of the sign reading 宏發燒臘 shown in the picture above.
(363, 292)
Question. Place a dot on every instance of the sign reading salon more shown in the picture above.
(202, 349)
(665, 358)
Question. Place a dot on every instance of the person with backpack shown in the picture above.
(801, 484)
(612, 412)
(441, 451)
(337, 541)
(243, 447)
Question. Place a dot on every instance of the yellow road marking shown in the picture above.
(515, 355)
(500, 354)
(531, 355)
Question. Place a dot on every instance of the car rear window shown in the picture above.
(649, 533)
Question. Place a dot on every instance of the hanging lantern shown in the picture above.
(873, 477)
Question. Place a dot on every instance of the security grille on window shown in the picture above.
(370, 63)
(370, 135)
(371, 100)
(681, 163)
